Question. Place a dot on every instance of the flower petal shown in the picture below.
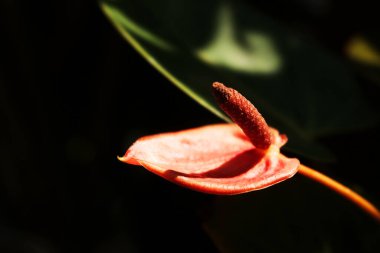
(217, 159)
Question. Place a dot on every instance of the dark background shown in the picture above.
(74, 95)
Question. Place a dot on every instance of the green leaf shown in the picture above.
(299, 88)
(365, 55)
(360, 50)
(294, 216)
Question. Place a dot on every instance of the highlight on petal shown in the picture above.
(215, 159)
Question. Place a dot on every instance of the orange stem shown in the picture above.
(346, 192)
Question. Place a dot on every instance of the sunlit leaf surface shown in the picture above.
(255, 55)
(299, 88)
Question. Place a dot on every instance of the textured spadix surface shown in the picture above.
(217, 159)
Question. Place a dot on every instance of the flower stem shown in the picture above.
(346, 192)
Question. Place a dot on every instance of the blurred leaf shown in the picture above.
(300, 89)
(224, 50)
(359, 49)
(365, 55)
(295, 216)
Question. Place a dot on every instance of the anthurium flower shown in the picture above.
(229, 158)
(222, 158)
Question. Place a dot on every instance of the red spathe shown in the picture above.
(216, 159)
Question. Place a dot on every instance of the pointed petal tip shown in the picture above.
(122, 159)
(129, 158)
